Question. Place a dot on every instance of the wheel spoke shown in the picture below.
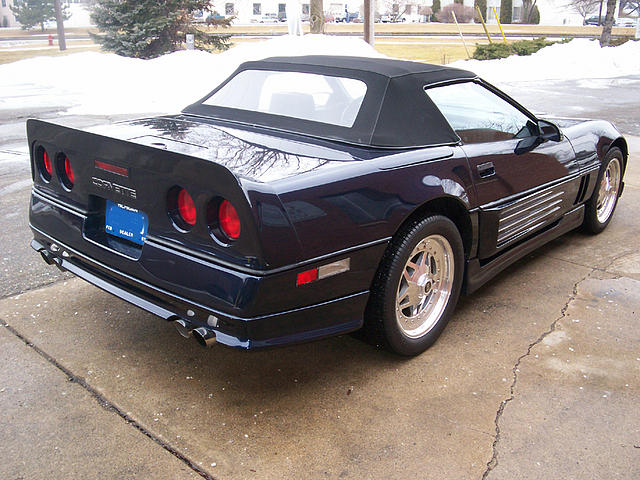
(403, 299)
(407, 276)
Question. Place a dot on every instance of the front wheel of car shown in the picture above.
(416, 287)
(600, 207)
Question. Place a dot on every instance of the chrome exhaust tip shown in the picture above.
(183, 327)
(47, 257)
(204, 336)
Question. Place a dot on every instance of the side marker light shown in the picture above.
(324, 271)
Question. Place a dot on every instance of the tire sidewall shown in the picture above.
(433, 225)
(591, 222)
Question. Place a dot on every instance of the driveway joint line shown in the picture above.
(109, 406)
(493, 462)
(35, 287)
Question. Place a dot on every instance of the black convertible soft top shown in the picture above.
(395, 112)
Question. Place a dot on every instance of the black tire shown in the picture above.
(384, 315)
(595, 221)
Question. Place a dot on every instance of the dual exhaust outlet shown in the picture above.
(204, 336)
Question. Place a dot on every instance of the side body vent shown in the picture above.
(583, 189)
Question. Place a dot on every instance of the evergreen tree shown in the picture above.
(535, 15)
(31, 13)
(482, 5)
(150, 28)
(435, 8)
(506, 11)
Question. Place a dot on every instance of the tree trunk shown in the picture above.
(316, 16)
(368, 21)
(62, 43)
(605, 38)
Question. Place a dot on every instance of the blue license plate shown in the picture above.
(126, 222)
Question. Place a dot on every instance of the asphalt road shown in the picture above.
(537, 376)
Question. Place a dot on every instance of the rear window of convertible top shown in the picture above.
(307, 96)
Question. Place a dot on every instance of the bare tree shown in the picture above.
(584, 7)
(605, 38)
(629, 6)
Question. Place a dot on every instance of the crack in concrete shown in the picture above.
(109, 406)
(493, 462)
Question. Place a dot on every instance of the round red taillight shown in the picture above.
(186, 208)
(65, 171)
(229, 220)
(43, 164)
(47, 163)
(69, 171)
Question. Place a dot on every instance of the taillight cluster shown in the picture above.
(62, 166)
(222, 218)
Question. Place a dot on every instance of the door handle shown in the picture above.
(486, 169)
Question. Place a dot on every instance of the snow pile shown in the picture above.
(101, 83)
(578, 59)
(106, 84)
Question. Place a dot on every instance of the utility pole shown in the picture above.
(60, 24)
(368, 21)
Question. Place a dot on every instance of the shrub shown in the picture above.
(527, 47)
(463, 14)
(492, 51)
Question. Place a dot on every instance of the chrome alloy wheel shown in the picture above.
(608, 191)
(425, 286)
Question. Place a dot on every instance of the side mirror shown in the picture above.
(527, 144)
(549, 131)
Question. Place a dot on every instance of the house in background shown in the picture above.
(7, 18)
(257, 11)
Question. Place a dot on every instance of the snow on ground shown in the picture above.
(576, 60)
(105, 84)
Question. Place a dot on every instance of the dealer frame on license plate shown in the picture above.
(125, 222)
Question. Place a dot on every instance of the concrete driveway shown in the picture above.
(537, 376)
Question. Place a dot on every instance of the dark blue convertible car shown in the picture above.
(313, 196)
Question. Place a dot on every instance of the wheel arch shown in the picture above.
(621, 143)
(454, 210)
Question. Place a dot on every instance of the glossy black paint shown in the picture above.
(303, 203)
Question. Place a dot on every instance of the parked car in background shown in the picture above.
(306, 197)
(269, 18)
(215, 16)
(627, 22)
(592, 21)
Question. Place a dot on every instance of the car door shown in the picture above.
(520, 191)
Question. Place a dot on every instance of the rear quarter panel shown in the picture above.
(365, 201)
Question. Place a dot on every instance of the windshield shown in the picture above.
(307, 96)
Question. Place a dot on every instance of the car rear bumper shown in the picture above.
(307, 323)
(245, 311)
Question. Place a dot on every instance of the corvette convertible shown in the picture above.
(313, 196)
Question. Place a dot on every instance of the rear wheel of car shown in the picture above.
(600, 207)
(417, 286)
